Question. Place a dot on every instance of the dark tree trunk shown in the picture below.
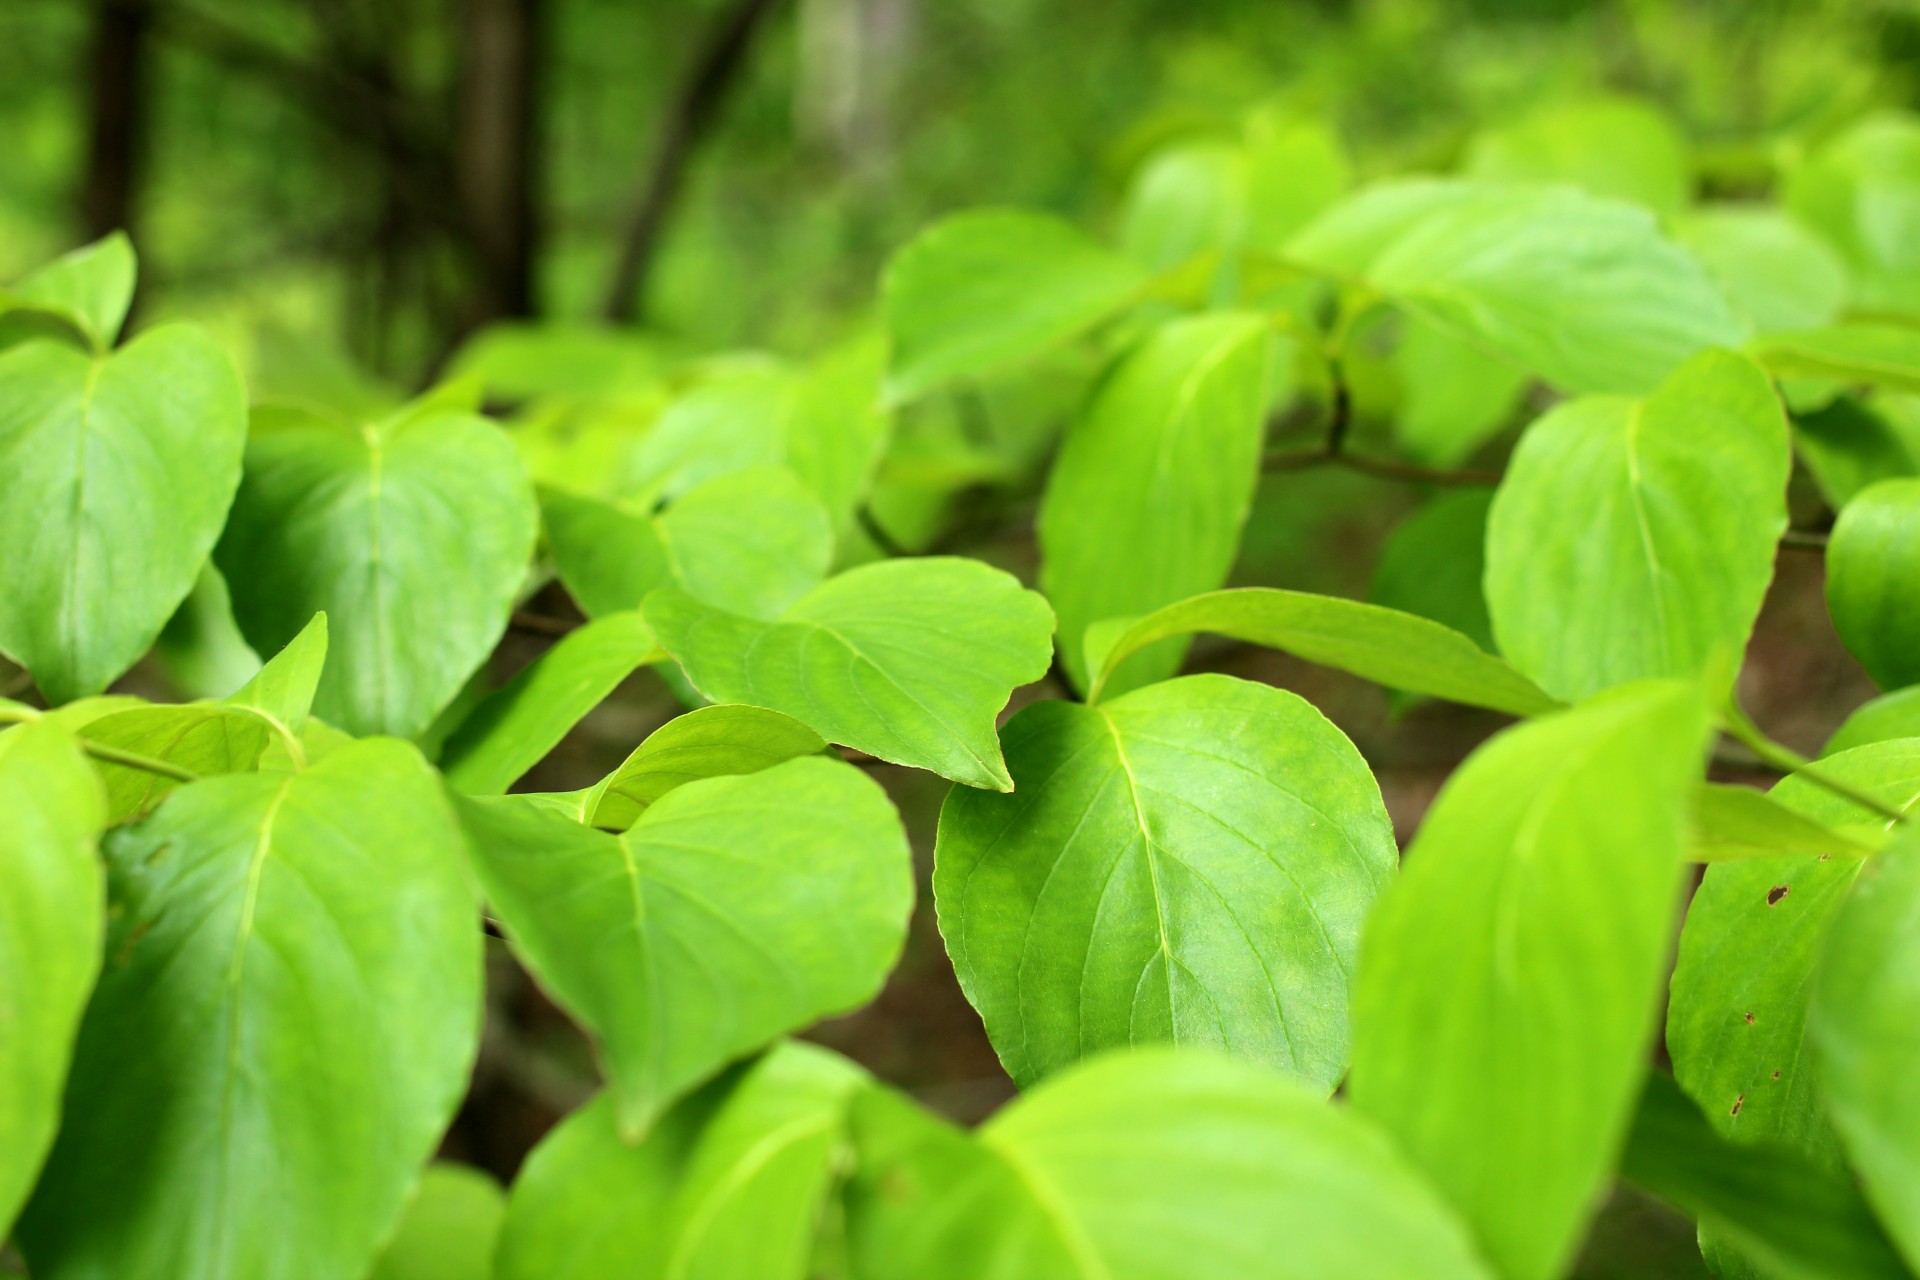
(116, 74)
(499, 151)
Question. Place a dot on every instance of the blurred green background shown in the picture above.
(353, 192)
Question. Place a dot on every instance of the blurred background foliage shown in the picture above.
(619, 210)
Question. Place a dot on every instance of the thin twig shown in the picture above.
(1382, 468)
(540, 624)
(1803, 540)
(105, 753)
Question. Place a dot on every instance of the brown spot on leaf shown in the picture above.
(1776, 893)
(1749, 1019)
(1738, 1103)
(1826, 857)
(1776, 1075)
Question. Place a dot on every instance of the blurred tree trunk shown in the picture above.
(499, 151)
(116, 81)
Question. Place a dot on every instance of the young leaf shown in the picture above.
(289, 1009)
(1433, 564)
(1800, 1221)
(711, 742)
(1889, 716)
(283, 690)
(1851, 442)
(751, 542)
(1509, 982)
(119, 472)
(735, 910)
(1188, 863)
(1737, 1014)
(450, 1228)
(1862, 192)
(1633, 539)
(517, 724)
(91, 288)
(1873, 574)
(992, 287)
(824, 423)
(1864, 1024)
(1386, 646)
(1145, 502)
(1885, 355)
(732, 1182)
(1160, 1164)
(51, 906)
(413, 536)
(1730, 823)
(1454, 396)
(201, 739)
(909, 660)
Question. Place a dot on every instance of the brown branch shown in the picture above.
(1383, 468)
(691, 117)
(540, 624)
(877, 532)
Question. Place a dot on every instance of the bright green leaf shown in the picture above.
(1778, 275)
(1509, 982)
(1160, 1164)
(412, 538)
(1433, 564)
(729, 1186)
(1864, 1025)
(1731, 822)
(1616, 147)
(450, 1228)
(1145, 503)
(1188, 863)
(517, 724)
(1849, 443)
(91, 288)
(735, 910)
(119, 472)
(1891, 715)
(908, 660)
(1873, 581)
(753, 542)
(1386, 646)
(1454, 396)
(1884, 355)
(52, 903)
(283, 689)
(1862, 191)
(1633, 539)
(711, 742)
(284, 1026)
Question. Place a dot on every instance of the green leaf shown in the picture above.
(1617, 147)
(1891, 715)
(1873, 574)
(450, 1228)
(1801, 1222)
(413, 536)
(1145, 503)
(1509, 982)
(989, 288)
(1884, 355)
(1156, 1165)
(52, 903)
(1633, 539)
(1584, 292)
(200, 650)
(1433, 564)
(1862, 192)
(1189, 863)
(1737, 1015)
(91, 288)
(730, 1185)
(283, 690)
(752, 542)
(203, 739)
(1454, 396)
(1864, 1025)
(1731, 822)
(735, 910)
(284, 1026)
(515, 726)
(711, 742)
(521, 360)
(1778, 275)
(1386, 646)
(824, 422)
(119, 472)
(908, 660)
